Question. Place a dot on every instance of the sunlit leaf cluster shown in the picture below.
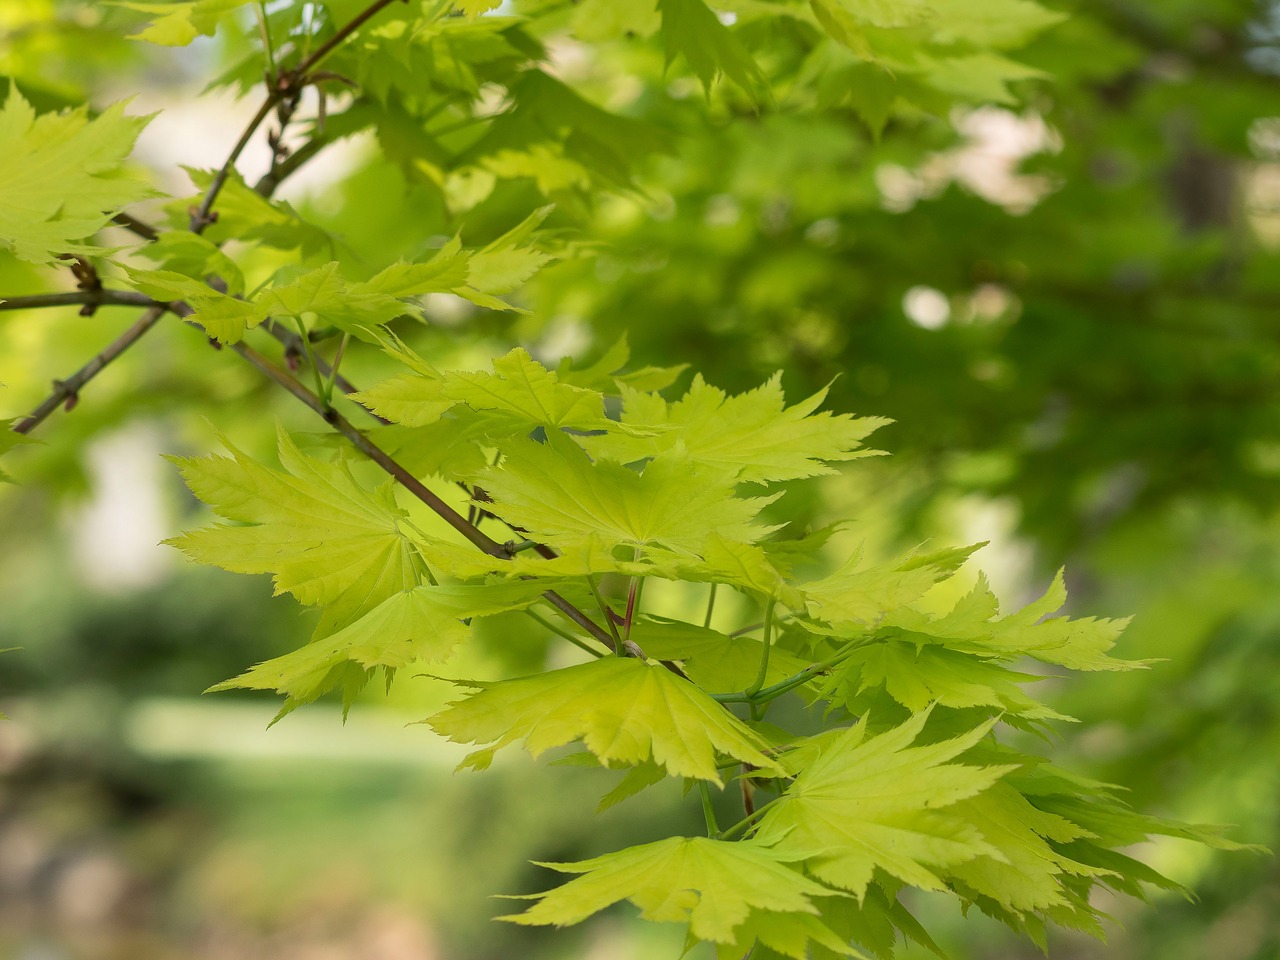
(572, 503)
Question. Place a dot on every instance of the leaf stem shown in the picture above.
(323, 394)
(564, 634)
(708, 809)
(766, 643)
(790, 683)
(287, 85)
(743, 823)
(711, 605)
(260, 8)
(606, 612)
(333, 367)
(634, 592)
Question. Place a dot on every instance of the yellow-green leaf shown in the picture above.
(624, 711)
(712, 885)
(879, 803)
(62, 177)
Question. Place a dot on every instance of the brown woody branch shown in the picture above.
(411, 483)
(66, 392)
(280, 98)
(104, 298)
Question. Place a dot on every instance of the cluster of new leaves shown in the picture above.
(607, 492)
(906, 787)
(464, 98)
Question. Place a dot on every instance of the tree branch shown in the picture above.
(104, 298)
(338, 38)
(132, 223)
(288, 86)
(67, 391)
(406, 479)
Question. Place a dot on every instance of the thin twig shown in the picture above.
(67, 391)
(268, 182)
(103, 298)
(351, 27)
(288, 85)
(201, 218)
(406, 479)
(141, 228)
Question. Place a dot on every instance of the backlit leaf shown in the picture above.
(62, 177)
(754, 436)
(557, 493)
(624, 711)
(325, 538)
(869, 803)
(712, 885)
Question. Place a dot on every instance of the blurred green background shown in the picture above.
(1069, 303)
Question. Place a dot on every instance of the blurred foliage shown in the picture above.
(1066, 300)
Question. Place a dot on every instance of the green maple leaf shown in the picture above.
(691, 29)
(979, 77)
(519, 395)
(62, 177)
(869, 803)
(561, 497)
(423, 623)
(363, 309)
(754, 436)
(177, 24)
(713, 885)
(847, 20)
(506, 263)
(916, 675)
(595, 21)
(874, 922)
(1027, 874)
(412, 400)
(326, 539)
(322, 295)
(561, 140)
(474, 8)
(523, 389)
(447, 270)
(225, 318)
(743, 565)
(795, 935)
(623, 710)
(972, 627)
(864, 593)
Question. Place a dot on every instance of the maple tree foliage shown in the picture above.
(590, 491)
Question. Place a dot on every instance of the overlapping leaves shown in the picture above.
(869, 803)
(322, 297)
(931, 803)
(324, 537)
